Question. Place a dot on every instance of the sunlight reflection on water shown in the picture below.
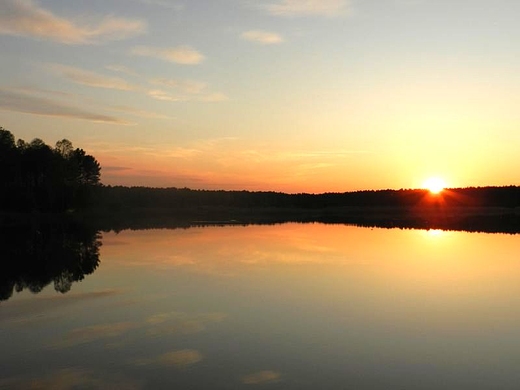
(292, 306)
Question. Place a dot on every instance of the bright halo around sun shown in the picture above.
(434, 184)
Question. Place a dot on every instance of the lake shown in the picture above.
(287, 306)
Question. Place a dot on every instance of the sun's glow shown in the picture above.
(434, 184)
(435, 232)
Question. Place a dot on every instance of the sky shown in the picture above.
(273, 95)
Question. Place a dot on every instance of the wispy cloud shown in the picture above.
(156, 178)
(295, 156)
(295, 8)
(181, 358)
(92, 79)
(261, 377)
(184, 90)
(122, 69)
(140, 113)
(185, 55)
(40, 92)
(27, 18)
(43, 91)
(93, 333)
(185, 86)
(180, 322)
(71, 378)
(213, 97)
(29, 104)
(160, 94)
(320, 154)
(178, 359)
(16, 312)
(114, 169)
(179, 90)
(262, 37)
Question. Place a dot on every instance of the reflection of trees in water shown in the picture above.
(33, 257)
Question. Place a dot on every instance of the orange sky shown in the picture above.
(283, 95)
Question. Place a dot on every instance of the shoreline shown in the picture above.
(471, 219)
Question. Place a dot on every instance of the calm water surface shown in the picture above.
(292, 306)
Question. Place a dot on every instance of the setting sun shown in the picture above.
(434, 184)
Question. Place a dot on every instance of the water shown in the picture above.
(291, 306)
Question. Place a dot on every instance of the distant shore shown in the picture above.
(473, 219)
(477, 219)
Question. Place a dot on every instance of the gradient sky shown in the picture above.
(284, 95)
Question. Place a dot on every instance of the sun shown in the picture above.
(434, 184)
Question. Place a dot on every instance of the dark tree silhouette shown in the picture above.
(86, 167)
(8, 160)
(6, 140)
(35, 176)
(64, 148)
(35, 256)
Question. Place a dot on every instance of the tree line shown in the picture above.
(36, 176)
(119, 197)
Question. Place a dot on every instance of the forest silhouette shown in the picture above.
(37, 178)
(53, 206)
(38, 255)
